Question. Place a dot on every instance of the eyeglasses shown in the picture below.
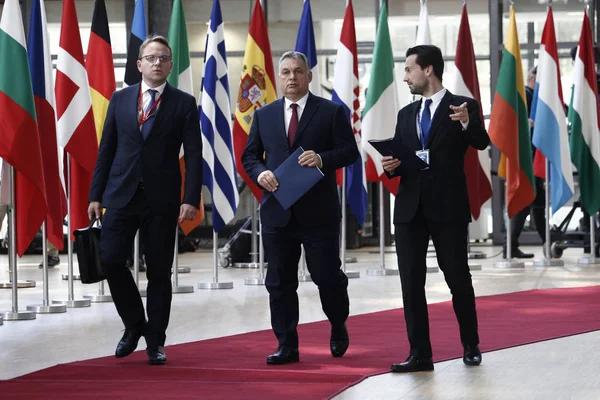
(152, 59)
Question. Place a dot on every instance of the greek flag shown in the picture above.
(215, 122)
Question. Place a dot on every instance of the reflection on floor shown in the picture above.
(562, 368)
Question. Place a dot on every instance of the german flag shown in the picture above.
(257, 88)
(99, 66)
(509, 125)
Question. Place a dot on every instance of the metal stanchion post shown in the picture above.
(260, 279)
(15, 314)
(508, 263)
(71, 302)
(349, 274)
(382, 271)
(254, 239)
(136, 264)
(46, 307)
(176, 287)
(547, 261)
(215, 284)
(303, 275)
(591, 260)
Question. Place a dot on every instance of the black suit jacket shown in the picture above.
(323, 128)
(125, 159)
(441, 191)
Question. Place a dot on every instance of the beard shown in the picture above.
(418, 88)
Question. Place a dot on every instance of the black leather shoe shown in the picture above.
(517, 253)
(52, 262)
(284, 355)
(156, 355)
(414, 364)
(128, 342)
(339, 341)
(472, 355)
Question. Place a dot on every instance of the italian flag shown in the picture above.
(509, 125)
(583, 119)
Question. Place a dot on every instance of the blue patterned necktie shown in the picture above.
(147, 126)
(425, 123)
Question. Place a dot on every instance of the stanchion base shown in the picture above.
(49, 309)
(74, 303)
(143, 293)
(382, 272)
(76, 277)
(352, 274)
(98, 298)
(588, 261)
(432, 270)
(477, 255)
(509, 264)
(258, 281)
(304, 278)
(19, 316)
(247, 265)
(183, 270)
(183, 289)
(474, 267)
(351, 260)
(215, 285)
(548, 263)
(20, 284)
(1, 320)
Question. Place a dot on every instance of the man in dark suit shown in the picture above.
(434, 202)
(323, 130)
(138, 180)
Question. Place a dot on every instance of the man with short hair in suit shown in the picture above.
(323, 130)
(434, 202)
(138, 180)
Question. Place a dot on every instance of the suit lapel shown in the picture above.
(441, 114)
(312, 106)
(132, 100)
(163, 108)
(412, 136)
(280, 121)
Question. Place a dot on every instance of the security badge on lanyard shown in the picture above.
(423, 154)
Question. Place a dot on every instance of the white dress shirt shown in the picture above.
(146, 96)
(287, 115)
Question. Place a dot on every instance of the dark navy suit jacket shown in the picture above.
(323, 128)
(125, 158)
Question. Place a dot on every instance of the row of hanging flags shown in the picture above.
(41, 123)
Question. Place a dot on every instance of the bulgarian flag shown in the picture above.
(509, 125)
(583, 119)
(19, 138)
(257, 88)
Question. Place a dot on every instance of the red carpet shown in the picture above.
(234, 367)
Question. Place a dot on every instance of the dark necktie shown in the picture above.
(147, 126)
(293, 123)
(425, 122)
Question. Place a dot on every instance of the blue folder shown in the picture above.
(294, 179)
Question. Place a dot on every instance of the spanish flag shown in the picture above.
(99, 66)
(257, 87)
(509, 126)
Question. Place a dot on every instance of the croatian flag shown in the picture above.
(305, 43)
(215, 121)
(345, 92)
(550, 126)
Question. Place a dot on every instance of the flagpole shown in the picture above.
(547, 261)
(349, 274)
(15, 314)
(508, 262)
(71, 302)
(382, 271)
(46, 307)
(176, 288)
(215, 284)
(260, 279)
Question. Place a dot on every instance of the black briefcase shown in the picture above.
(87, 241)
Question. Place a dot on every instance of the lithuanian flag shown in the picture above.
(509, 125)
(99, 66)
(257, 88)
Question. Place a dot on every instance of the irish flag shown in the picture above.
(509, 125)
(257, 88)
(547, 110)
(583, 120)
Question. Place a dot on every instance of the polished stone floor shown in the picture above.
(564, 368)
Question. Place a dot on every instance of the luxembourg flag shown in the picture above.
(345, 92)
(305, 43)
(548, 113)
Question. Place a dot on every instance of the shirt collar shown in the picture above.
(159, 89)
(436, 98)
(301, 103)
